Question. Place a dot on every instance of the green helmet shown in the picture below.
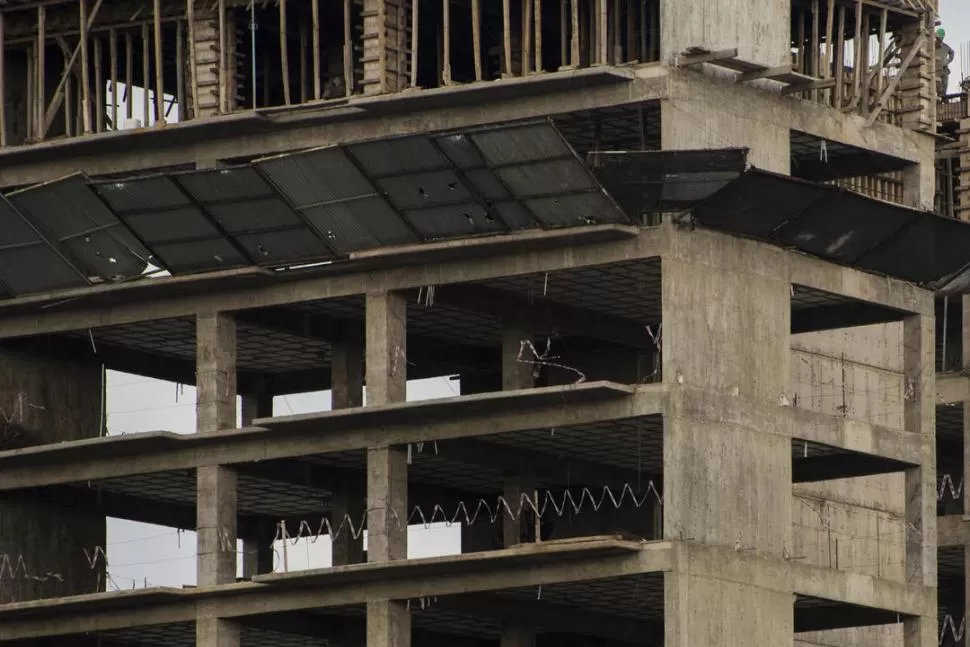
(940, 33)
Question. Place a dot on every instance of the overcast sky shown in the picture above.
(955, 15)
(140, 553)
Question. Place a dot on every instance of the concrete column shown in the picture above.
(258, 550)
(758, 29)
(703, 114)
(388, 621)
(920, 417)
(349, 506)
(727, 476)
(216, 489)
(516, 375)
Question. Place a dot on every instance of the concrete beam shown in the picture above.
(528, 565)
(541, 315)
(952, 530)
(800, 269)
(800, 425)
(564, 618)
(803, 579)
(952, 388)
(399, 424)
(402, 268)
(755, 105)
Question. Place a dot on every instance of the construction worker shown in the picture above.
(944, 56)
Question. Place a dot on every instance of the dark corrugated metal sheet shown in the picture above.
(73, 217)
(841, 226)
(326, 203)
(649, 182)
(28, 263)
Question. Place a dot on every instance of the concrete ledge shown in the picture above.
(413, 412)
(794, 577)
(335, 431)
(858, 436)
(571, 561)
(409, 267)
(799, 424)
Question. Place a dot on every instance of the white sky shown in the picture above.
(955, 15)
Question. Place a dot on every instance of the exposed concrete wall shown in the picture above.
(859, 524)
(46, 401)
(855, 372)
(759, 29)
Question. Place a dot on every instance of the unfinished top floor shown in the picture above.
(79, 68)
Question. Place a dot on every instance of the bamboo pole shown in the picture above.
(223, 90)
(574, 60)
(538, 39)
(41, 69)
(68, 103)
(146, 73)
(866, 83)
(284, 54)
(59, 92)
(602, 25)
(880, 66)
(85, 81)
(180, 70)
(829, 49)
(815, 45)
(476, 37)
(113, 61)
(3, 86)
(414, 41)
(446, 41)
(857, 64)
(507, 37)
(525, 67)
(801, 43)
(31, 82)
(348, 52)
(315, 20)
(129, 76)
(840, 60)
(98, 88)
(159, 65)
(193, 70)
(615, 37)
(563, 33)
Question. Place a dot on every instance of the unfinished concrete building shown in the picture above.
(681, 254)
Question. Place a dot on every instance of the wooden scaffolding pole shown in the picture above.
(315, 26)
(58, 98)
(41, 70)
(159, 65)
(284, 54)
(3, 87)
(85, 81)
(193, 70)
